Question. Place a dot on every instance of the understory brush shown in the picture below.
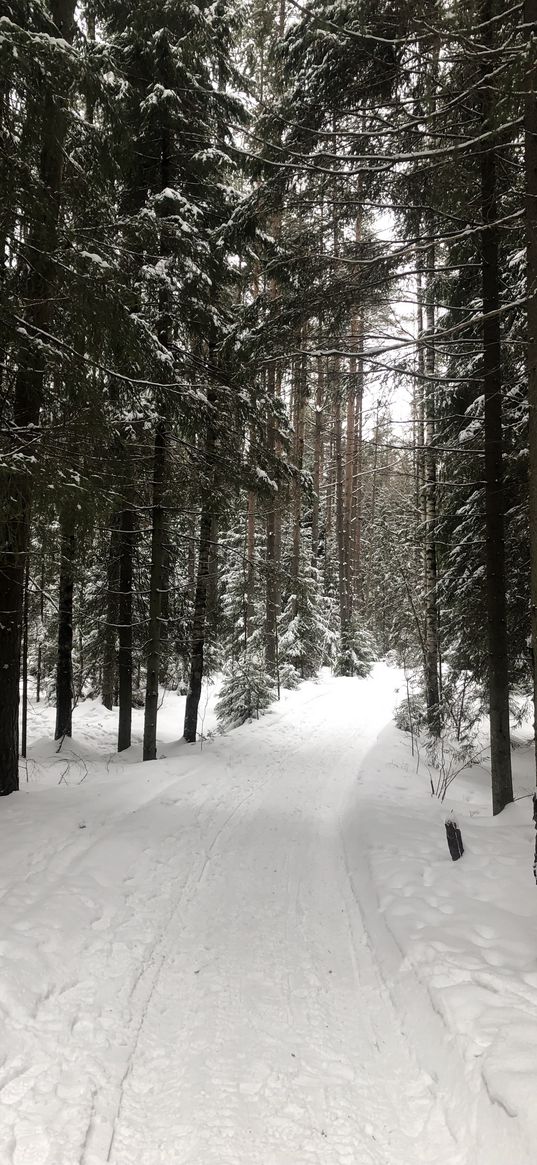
(459, 745)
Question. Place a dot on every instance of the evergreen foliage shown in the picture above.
(246, 692)
(305, 639)
(355, 653)
(254, 412)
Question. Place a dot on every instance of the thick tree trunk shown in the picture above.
(372, 548)
(109, 657)
(125, 670)
(24, 719)
(432, 650)
(64, 666)
(317, 474)
(158, 532)
(356, 390)
(500, 746)
(530, 23)
(340, 504)
(16, 489)
(199, 623)
(349, 481)
(357, 485)
(272, 586)
(420, 427)
(212, 581)
(341, 543)
(157, 584)
(298, 457)
(250, 564)
(167, 568)
(272, 606)
(198, 626)
(330, 499)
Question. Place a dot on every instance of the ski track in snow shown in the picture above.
(206, 992)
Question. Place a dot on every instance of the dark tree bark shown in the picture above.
(64, 666)
(299, 400)
(500, 745)
(357, 488)
(349, 479)
(272, 593)
(432, 650)
(317, 461)
(16, 488)
(198, 627)
(109, 657)
(530, 23)
(373, 541)
(212, 583)
(24, 718)
(274, 514)
(207, 525)
(250, 564)
(340, 505)
(158, 511)
(421, 510)
(158, 533)
(165, 608)
(126, 544)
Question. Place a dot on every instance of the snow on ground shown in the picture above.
(258, 952)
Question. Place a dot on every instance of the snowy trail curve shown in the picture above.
(186, 976)
(270, 1037)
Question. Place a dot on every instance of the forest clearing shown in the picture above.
(268, 582)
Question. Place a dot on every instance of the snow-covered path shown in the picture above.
(206, 991)
(269, 1037)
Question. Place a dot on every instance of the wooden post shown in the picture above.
(454, 840)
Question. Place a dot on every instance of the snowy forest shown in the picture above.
(268, 355)
(268, 582)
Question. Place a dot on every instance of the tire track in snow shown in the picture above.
(100, 1141)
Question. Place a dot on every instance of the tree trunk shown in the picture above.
(212, 581)
(372, 548)
(158, 529)
(126, 543)
(167, 570)
(64, 667)
(298, 456)
(530, 23)
(272, 593)
(24, 721)
(79, 690)
(317, 460)
(340, 517)
(274, 515)
(198, 627)
(349, 476)
(500, 745)
(250, 564)
(354, 434)
(357, 484)
(432, 652)
(109, 657)
(157, 583)
(421, 512)
(16, 489)
(272, 606)
(202, 587)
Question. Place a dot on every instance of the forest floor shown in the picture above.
(258, 952)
